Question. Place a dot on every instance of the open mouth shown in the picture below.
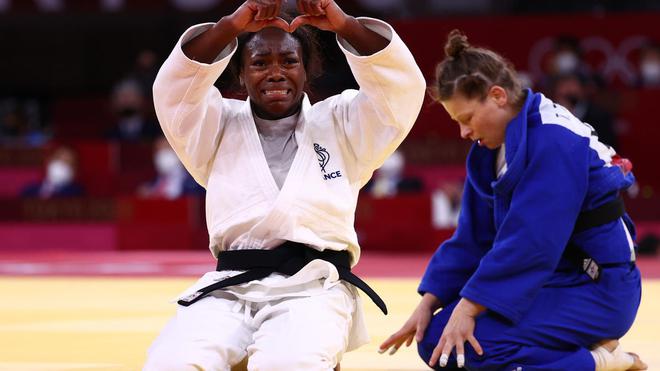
(276, 93)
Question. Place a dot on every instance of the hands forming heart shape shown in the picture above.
(254, 15)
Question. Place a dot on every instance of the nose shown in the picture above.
(465, 132)
(275, 73)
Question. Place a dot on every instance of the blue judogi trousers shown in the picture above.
(566, 319)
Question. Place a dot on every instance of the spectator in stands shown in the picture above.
(540, 273)
(570, 91)
(19, 123)
(60, 178)
(128, 101)
(389, 180)
(567, 57)
(172, 180)
(144, 72)
(446, 204)
(649, 67)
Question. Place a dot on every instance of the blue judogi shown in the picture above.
(508, 251)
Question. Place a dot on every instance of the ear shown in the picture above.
(499, 95)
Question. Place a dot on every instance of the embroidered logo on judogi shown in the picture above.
(324, 157)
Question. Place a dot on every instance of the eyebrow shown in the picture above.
(263, 54)
(462, 116)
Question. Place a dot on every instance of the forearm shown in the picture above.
(206, 46)
(431, 301)
(364, 40)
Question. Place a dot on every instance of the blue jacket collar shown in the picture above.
(481, 160)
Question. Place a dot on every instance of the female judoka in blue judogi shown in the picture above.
(540, 274)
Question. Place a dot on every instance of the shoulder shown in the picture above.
(553, 127)
(334, 105)
(552, 117)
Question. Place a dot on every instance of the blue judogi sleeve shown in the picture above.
(457, 258)
(537, 226)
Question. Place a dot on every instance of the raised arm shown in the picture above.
(251, 16)
(327, 15)
(191, 111)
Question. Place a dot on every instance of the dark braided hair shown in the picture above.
(472, 71)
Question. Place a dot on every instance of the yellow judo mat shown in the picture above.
(49, 324)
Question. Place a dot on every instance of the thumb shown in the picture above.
(301, 20)
(278, 23)
(422, 324)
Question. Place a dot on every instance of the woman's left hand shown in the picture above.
(322, 14)
(458, 331)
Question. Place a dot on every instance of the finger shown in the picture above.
(444, 358)
(300, 20)
(460, 360)
(317, 8)
(307, 8)
(261, 13)
(475, 345)
(278, 8)
(409, 340)
(446, 351)
(278, 22)
(436, 352)
(421, 329)
(393, 339)
(268, 12)
(271, 11)
(460, 354)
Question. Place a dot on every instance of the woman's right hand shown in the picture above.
(253, 15)
(414, 327)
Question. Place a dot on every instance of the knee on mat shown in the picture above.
(176, 361)
(163, 364)
(280, 361)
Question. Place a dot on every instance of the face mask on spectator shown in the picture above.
(650, 72)
(566, 62)
(128, 112)
(59, 172)
(393, 166)
(166, 161)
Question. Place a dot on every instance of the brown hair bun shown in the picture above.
(457, 42)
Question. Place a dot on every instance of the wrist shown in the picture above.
(347, 27)
(431, 302)
(228, 25)
(469, 307)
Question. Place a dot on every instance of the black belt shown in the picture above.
(288, 259)
(603, 214)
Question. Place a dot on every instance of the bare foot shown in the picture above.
(609, 344)
(638, 365)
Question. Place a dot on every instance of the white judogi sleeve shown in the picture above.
(377, 118)
(187, 106)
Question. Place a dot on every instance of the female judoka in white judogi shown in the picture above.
(282, 177)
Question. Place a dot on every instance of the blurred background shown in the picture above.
(83, 165)
(90, 191)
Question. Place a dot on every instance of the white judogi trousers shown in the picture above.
(305, 330)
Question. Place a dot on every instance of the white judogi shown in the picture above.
(341, 141)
